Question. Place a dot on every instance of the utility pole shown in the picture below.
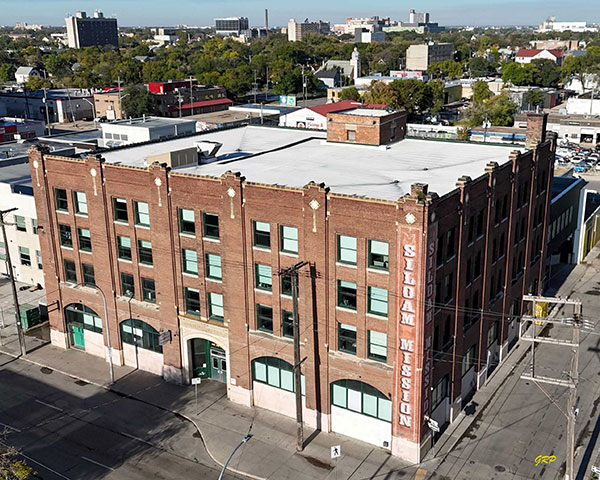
(540, 317)
(12, 282)
(47, 113)
(254, 86)
(292, 273)
(119, 96)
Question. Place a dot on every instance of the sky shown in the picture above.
(202, 12)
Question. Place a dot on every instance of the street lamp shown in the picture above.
(244, 440)
(93, 109)
(108, 347)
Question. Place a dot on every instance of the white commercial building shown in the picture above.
(139, 130)
(420, 57)
(551, 25)
(583, 106)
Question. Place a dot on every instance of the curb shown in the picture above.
(116, 392)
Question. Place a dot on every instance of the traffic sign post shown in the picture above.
(195, 383)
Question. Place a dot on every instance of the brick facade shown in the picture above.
(441, 299)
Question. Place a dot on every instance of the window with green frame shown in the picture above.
(70, 272)
(264, 280)
(120, 210)
(79, 313)
(139, 333)
(88, 274)
(34, 226)
(66, 239)
(60, 196)
(20, 223)
(286, 285)
(190, 261)
(142, 214)
(145, 252)
(264, 318)
(287, 324)
(362, 398)
(80, 201)
(38, 257)
(346, 247)
(124, 248)
(211, 225)
(192, 301)
(276, 373)
(378, 254)
(85, 239)
(148, 290)
(347, 294)
(187, 224)
(377, 348)
(289, 239)
(127, 285)
(24, 256)
(378, 301)
(213, 266)
(215, 307)
(262, 234)
(347, 338)
(2, 251)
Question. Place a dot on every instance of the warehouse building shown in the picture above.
(419, 252)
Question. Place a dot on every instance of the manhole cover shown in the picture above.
(500, 468)
(81, 383)
(46, 370)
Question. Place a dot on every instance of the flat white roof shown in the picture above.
(366, 112)
(294, 157)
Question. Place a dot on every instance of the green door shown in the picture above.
(200, 364)
(76, 334)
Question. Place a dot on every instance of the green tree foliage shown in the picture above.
(135, 101)
(480, 67)
(350, 93)
(37, 83)
(445, 69)
(481, 92)
(7, 71)
(546, 73)
(499, 110)
(518, 74)
(11, 467)
(533, 98)
(413, 96)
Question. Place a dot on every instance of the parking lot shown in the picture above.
(582, 159)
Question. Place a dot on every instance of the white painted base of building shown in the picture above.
(362, 427)
(58, 339)
(405, 449)
(281, 401)
(239, 395)
(143, 359)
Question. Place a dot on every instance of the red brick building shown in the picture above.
(419, 252)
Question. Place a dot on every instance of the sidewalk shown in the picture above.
(220, 424)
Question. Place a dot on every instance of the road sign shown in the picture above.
(433, 425)
(336, 451)
(196, 381)
(595, 469)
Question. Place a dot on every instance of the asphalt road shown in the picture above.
(68, 429)
(522, 421)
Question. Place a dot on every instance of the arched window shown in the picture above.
(79, 313)
(362, 398)
(276, 373)
(136, 332)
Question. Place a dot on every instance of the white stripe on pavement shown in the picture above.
(12, 428)
(136, 438)
(98, 463)
(50, 405)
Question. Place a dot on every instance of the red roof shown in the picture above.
(343, 105)
(532, 52)
(202, 103)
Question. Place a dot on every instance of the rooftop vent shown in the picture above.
(207, 150)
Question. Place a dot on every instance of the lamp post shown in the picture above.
(244, 440)
(108, 347)
(93, 109)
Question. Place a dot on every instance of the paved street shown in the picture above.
(521, 422)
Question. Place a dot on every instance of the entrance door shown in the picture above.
(76, 336)
(218, 364)
(198, 348)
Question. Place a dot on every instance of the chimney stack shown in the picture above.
(536, 129)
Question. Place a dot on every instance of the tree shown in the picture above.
(447, 68)
(10, 467)
(135, 101)
(36, 83)
(380, 93)
(546, 73)
(7, 72)
(350, 93)
(499, 110)
(480, 67)
(481, 92)
(518, 74)
(533, 98)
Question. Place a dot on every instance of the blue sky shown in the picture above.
(202, 12)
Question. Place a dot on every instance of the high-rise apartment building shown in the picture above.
(420, 57)
(418, 251)
(84, 31)
(296, 31)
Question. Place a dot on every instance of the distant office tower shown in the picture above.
(231, 25)
(84, 31)
(416, 17)
(296, 31)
